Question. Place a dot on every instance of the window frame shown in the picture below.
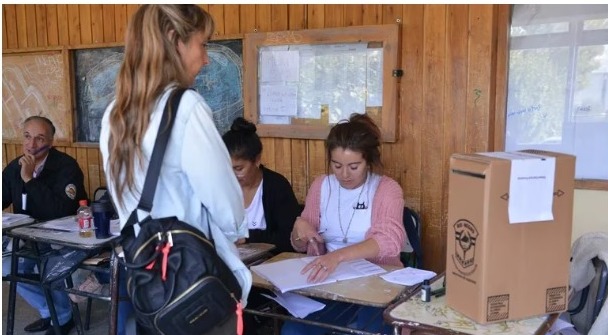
(504, 46)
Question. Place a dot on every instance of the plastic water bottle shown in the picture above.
(84, 214)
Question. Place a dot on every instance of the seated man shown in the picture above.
(45, 184)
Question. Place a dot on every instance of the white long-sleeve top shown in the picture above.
(196, 170)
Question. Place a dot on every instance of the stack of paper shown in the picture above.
(67, 223)
(408, 276)
(285, 275)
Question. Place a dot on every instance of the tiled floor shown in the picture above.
(26, 314)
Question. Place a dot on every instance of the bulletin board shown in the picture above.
(35, 84)
(96, 69)
(300, 83)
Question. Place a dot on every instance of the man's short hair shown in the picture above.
(43, 119)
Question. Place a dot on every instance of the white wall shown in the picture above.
(590, 212)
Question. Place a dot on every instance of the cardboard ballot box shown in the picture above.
(500, 265)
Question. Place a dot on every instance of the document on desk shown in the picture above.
(10, 218)
(67, 224)
(408, 276)
(285, 275)
(297, 305)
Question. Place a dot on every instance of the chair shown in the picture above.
(589, 282)
(411, 254)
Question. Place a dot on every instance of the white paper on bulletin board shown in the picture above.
(279, 100)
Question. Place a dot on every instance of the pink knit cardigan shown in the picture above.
(387, 218)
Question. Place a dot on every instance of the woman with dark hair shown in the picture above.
(352, 213)
(271, 206)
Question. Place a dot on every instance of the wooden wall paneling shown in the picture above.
(279, 21)
(263, 24)
(217, 12)
(353, 15)
(10, 18)
(480, 88)
(41, 25)
(81, 158)
(299, 171)
(455, 99)
(279, 17)
(411, 111)
(108, 23)
(299, 148)
(262, 17)
(12, 151)
(372, 14)
(4, 39)
(4, 162)
(315, 16)
(131, 9)
(94, 168)
(30, 19)
(120, 22)
(86, 36)
(393, 158)
(97, 23)
(60, 148)
(74, 24)
(231, 19)
(502, 69)
(334, 16)
(268, 158)
(247, 21)
(102, 174)
(62, 25)
(51, 25)
(433, 80)
(297, 16)
(317, 160)
(21, 26)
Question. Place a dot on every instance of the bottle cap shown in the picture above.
(82, 202)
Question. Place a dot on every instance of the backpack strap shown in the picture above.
(156, 160)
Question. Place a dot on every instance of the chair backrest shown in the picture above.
(586, 304)
(99, 193)
(411, 254)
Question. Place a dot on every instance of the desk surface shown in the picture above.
(437, 318)
(14, 221)
(370, 291)
(65, 238)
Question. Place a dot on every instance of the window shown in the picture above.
(557, 96)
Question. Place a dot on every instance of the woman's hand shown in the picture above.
(321, 267)
(240, 241)
(305, 236)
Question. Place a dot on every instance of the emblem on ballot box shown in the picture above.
(465, 234)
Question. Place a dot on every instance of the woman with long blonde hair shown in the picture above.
(165, 48)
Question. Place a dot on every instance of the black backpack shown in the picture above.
(176, 281)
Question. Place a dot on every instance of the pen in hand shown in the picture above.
(41, 149)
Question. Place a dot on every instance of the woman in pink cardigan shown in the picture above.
(352, 213)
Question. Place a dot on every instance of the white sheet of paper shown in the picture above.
(530, 186)
(9, 218)
(297, 305)
(279, 100)
(279, 66)
(66, 223)
(408, 276)
(531, 189)
(285, 275)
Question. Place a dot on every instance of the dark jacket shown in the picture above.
(49, 194)
(280, 211)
